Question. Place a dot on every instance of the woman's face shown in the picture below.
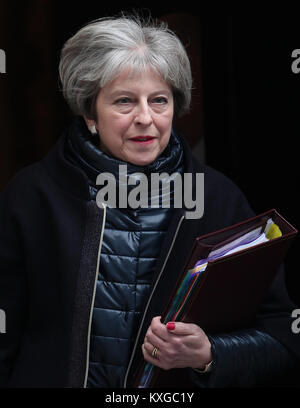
(134, 117)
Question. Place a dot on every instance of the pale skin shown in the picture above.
(185, 346)
(132, 106)
(126, 108)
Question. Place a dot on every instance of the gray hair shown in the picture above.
(102, 49)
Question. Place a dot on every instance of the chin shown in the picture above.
(141, 161)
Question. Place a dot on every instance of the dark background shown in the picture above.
(246, 99)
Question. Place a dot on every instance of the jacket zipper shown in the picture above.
(150, 297)
(93, 298)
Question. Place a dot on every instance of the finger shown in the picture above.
(156, 319)
(150, 359)
(158, 330)
(155, 323)
(150, 348)
(182, 328)
(152, 340)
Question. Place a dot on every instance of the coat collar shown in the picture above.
(75, 179)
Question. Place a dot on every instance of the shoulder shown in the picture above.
(216, 182)
(53, 175)
(24, 188)
(225, 202)
(25, 179)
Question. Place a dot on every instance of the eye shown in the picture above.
(160, 100)
(123, 101)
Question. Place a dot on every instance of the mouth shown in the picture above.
(143, 139)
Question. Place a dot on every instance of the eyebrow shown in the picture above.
(118, 92)
(121, 92)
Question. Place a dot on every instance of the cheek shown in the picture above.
(113, 127)
(119, 125)
(165, 124)
(122, 124)
(165, 119)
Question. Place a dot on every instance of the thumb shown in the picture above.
(178, 328)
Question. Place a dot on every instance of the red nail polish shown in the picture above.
(170, 325)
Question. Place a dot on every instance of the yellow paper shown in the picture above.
(273, 232)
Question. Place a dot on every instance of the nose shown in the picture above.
(143, 114)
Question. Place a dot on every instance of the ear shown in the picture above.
(89, 122)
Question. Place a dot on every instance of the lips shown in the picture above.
(143, 139)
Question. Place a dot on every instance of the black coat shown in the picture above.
(50, 233)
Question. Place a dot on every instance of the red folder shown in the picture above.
(232, 287)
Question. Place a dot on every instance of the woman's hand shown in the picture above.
(178, 345)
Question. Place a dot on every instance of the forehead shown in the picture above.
(147, 81)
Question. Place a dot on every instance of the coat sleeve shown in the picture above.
(247, 359)
(13, 303)
(266, 355)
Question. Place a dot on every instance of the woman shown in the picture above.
(79, 278)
